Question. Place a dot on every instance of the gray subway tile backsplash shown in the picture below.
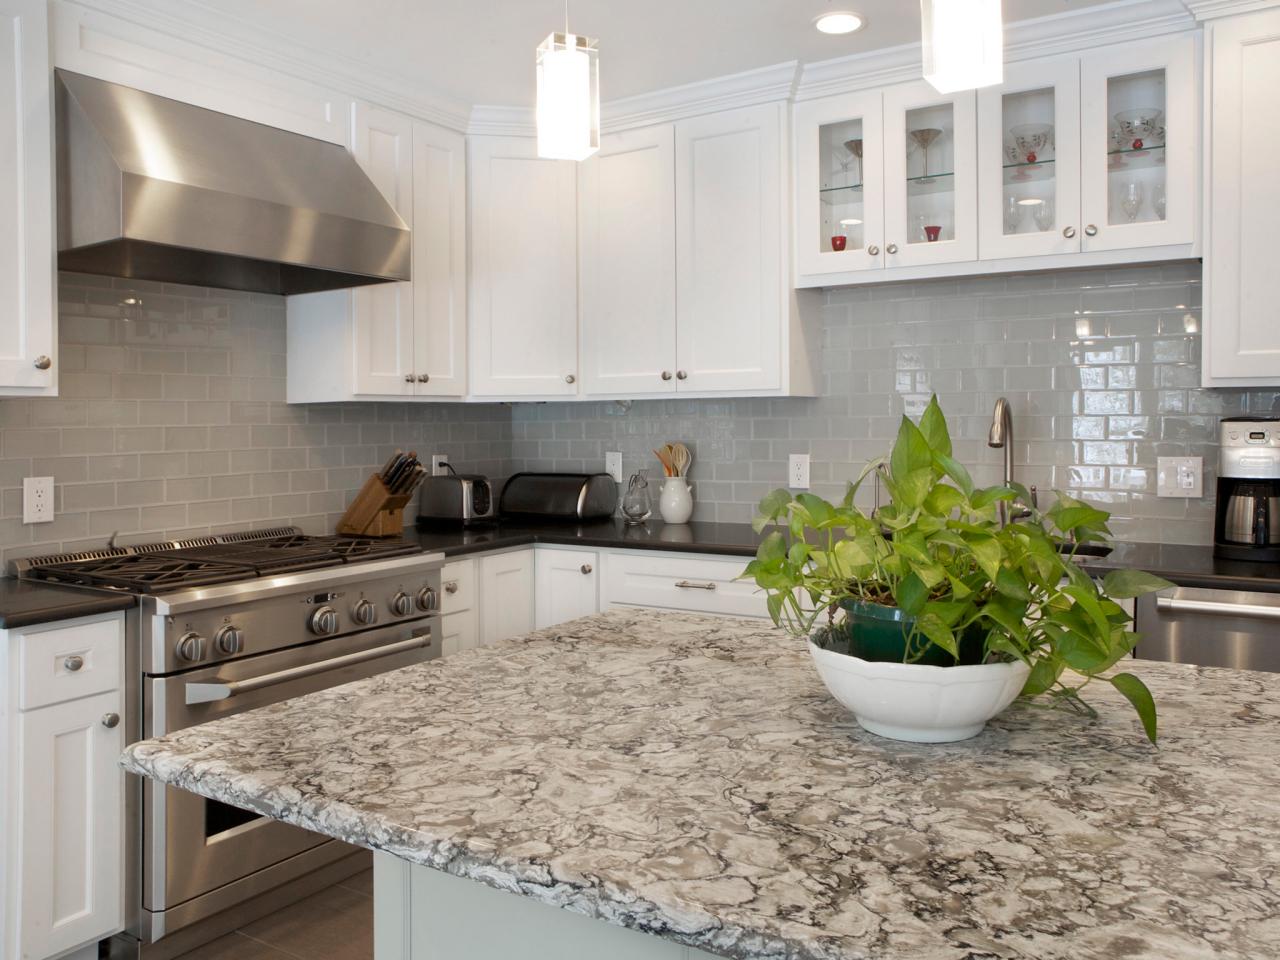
(172, 421)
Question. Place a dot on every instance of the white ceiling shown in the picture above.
(481, 51)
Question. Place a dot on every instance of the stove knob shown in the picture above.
(427, 600)
(401, 605)
(364, 612)
(229, 640)
(324, 621)
(190, 647)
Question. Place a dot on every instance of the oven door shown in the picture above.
(193, 846)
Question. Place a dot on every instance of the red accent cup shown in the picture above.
(838, 242)
(932, 233)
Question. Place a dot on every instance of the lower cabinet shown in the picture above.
(680, 581)
(64, 790)
(567, 585)
(506, 595)
(460, 615)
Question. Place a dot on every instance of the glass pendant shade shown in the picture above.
(963, 43)
(568, 110)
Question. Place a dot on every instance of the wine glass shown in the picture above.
(855, 153)
(1157, 201)
(1013, 211)
(1043, 215)
(1131, 199)
(636, 505)
(924, 138)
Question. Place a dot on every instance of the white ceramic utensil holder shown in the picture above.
(676, 502)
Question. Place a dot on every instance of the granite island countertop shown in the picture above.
(690, 777)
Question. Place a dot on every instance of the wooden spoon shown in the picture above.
(681, 458)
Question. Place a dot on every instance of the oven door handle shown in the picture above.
(1255, 610)
(209, 692)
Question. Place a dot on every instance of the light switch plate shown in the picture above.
(37, 499)
(613, 465)
(798, 471)
(1180, 477)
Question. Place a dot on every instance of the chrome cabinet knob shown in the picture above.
(586, 569)
(111, 720)
(681, 375)
(409, 378)
(891, 248)
(43, 362)
(666, 374)
(570, 378)
(364, 612)
(427, 600)
(1091, 231)
(451, 587)
(324, 621)
(401, 604)
(229, 640)
(73, 663)
(1068, 232)
(873, 250)
(424, 378)
(190, 647)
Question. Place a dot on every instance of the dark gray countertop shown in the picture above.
(23, 602)
(1185, 565)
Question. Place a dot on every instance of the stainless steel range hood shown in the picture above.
(154, 189)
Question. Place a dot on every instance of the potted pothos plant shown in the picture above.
(929, 615)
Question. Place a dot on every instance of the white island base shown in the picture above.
(423, 914)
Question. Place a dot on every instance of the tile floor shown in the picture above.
(334, 924)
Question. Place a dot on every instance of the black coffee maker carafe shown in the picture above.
(1247, 521)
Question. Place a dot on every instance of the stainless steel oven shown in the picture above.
(1213, 628)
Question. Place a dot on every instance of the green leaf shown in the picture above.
(990, 495)
(773, 547)
(771, 506)
(934, 427)
(943, 499)
(915, 486)
(911, 594)
(1044, 674)
(774, 603)
(1123, 584)
(939, 634)
(1009, 614)
(910, 452)
(1088, 600)
(987, 551)
(1081, 653)
(1136, 692)
(956, 471)
(1011, 585)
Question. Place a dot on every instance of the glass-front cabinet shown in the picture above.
(840, 206)
(930, 173)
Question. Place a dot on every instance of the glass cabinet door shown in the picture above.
(839, 202)
(1138, 146)
(1029, 161)
(931, 187)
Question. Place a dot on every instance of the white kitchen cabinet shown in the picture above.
(627, 262)
(28, 314)
(679, 581)
(64, 789)
(506, 595)
(460, 615)
(401, 340)
(1242, 202)
(567, 585)
(524, 270)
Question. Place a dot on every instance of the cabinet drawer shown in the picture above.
(459, 631)
(682, 582)
(458, 580)
(69, 660)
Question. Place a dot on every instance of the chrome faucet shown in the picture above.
(1001, 436)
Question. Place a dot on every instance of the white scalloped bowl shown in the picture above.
(919, 703)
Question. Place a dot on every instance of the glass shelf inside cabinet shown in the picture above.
(930, 186)
(840, 221)
(1030, 171)
(1136, 150)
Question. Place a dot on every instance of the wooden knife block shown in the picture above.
(375, 512)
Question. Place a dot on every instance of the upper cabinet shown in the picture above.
(394, 340)
(1242, 202)
(28, 312)
(524, 275)
(1072, 161)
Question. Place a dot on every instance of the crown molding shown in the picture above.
(495, 121)
(1061, 33)
(1213, 9)
(231, 37)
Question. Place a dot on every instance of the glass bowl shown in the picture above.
(1031, 139)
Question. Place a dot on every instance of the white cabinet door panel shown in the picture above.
(567, 585)
(506, 595)
(681, 582)
(730, 203)
(28, 318)
(383, 329)
(627, 209)
(524, 253)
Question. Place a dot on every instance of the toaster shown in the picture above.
(559, 496)
(456, 498)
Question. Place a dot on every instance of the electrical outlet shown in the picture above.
(439, 465)
(613, 465)
(798, 471)
(1180, 477)
(37, 500)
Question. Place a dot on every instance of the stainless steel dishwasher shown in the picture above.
(1214, 628)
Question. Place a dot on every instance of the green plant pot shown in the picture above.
(879, 634)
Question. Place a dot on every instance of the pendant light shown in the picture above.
(963, 43)
(568, 112)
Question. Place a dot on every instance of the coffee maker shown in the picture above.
(1247, 522)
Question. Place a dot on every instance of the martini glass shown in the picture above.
(924, 138)
(855, 150)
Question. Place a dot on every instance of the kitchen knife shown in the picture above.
(391, 462)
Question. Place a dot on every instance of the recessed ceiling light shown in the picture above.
(839, 21)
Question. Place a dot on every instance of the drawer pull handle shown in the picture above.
(111, 720)
(688, 585)
(451, 587)
(585, 568)
(1256, 611)
(73, 663)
